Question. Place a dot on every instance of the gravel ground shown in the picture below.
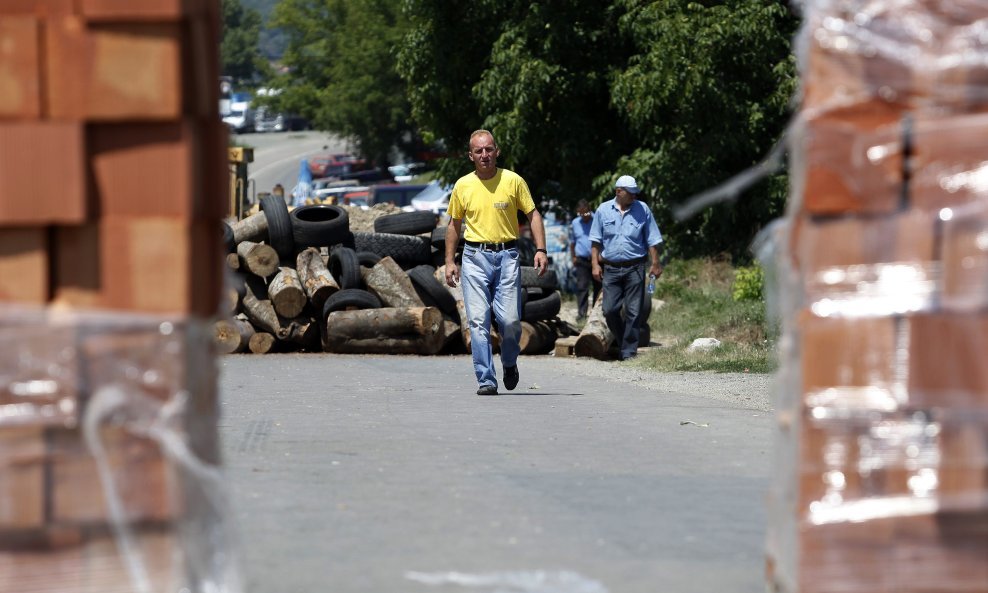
(744, 390)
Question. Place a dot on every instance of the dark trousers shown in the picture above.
(624, 287)
(583, 274)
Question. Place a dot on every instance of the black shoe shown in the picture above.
(487, 390)
(510, 377)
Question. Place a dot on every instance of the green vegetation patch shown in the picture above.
(699, 303)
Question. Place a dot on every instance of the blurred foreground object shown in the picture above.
(113, 184)
(882, 434)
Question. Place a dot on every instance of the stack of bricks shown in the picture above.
(113, 183)
(883, 431)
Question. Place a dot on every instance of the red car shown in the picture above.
(335, 165)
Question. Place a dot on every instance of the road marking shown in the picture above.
(281, 162)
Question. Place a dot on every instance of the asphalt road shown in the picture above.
(277, 156)
(387, 474)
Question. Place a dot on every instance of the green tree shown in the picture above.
(342, 74)
(706, 94)
(680, 94)
(241, 55)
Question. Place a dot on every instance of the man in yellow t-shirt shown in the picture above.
(489, 200)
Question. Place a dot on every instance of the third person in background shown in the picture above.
(579, 249)
(624, 242)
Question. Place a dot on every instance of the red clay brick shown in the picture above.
(42, 173)
(24, 254)
(146, 264)
(114, 72)
(20, 67)
(164, 169)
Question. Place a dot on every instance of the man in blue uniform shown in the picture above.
(624, 239)
(579, 250)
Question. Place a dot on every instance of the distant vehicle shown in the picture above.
(241, 116)
(335, 165)
(266, 121)
(399, 194)
(343, 195)
(435, 198)
(406, 172)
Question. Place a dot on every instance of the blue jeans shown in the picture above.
(492, 282)
(624, 287)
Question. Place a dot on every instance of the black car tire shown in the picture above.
(368, 259)
(280, 235)
(432, 291)
(406, 223)
(530, 278)
(439, 237)
(407, 250)
(319, 225)
(545, 308)
(345, 267)
(350, 298)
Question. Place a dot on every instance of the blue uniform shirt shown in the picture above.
(624, 238)
(580, 236)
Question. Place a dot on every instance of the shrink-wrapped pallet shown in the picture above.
(882, 432)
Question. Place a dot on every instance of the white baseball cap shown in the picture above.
(627, 182)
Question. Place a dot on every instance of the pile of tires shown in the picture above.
(411, 240)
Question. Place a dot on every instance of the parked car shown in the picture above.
(344, 195)
(406, 172)
(335, 165)
(327, 186)
(398, 194)
(241, 117)
(435, 198)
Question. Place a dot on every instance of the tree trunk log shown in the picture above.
(416, 330)
(262, 343)
(233, 261)
(392, 285)
(257, 258)
(232, 335)
(260, 311)
(595, 340)
(235, 290)
(303, 331)
(537, 338)
(287, 295)
(316, 279)
(253, 228)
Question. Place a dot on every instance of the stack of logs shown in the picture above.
(280, 303)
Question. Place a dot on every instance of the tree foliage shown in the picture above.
(241, 54)
(681, 94)
(342, 70)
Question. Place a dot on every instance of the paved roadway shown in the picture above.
(386, 474)
(277, 156)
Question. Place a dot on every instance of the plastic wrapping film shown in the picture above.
(882, 266)
(109, 475)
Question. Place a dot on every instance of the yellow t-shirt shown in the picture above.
(490, 206)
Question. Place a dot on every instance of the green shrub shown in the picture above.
(748, 284)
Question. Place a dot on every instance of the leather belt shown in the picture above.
(624, 264)
(493, 246)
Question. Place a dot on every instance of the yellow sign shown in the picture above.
(239, 154)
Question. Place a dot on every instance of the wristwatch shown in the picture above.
(542, 251)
